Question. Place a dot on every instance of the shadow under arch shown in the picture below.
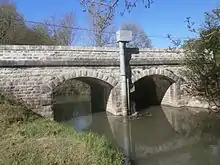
(98, 94)
(151, 87)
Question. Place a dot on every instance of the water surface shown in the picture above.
(170, 136)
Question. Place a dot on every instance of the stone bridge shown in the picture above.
(31, 73)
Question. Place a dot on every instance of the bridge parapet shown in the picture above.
(31, 55)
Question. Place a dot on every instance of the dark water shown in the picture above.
(170, 136)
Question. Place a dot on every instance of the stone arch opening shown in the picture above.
(85, 95)
(151, 88)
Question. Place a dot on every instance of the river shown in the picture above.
(166, 136)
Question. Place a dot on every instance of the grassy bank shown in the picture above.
(28, 139)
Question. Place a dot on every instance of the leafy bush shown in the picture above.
(203, 59)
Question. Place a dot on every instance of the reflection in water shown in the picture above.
(171, 136)
(80, 123)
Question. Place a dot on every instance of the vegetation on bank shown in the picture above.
(27, 138)
(203, 59)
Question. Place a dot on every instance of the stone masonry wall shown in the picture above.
(34, 86)
(15, 55)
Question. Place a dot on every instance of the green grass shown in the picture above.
(28, 139)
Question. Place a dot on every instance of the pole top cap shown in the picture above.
(124, 36)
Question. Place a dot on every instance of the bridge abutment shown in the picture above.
(114, 102)
(172, 96)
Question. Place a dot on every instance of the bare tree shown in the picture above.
(112, 4)
(101, 20)
(139, 37)
(102, 13)
(65, 34)
(60, 29)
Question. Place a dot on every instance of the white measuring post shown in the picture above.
(123, 37)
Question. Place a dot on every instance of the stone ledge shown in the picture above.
(83, 62)
(56, 48)
(81, 48)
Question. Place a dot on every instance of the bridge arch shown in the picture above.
(100, 85)
(83, 74)
(155, 87)
(150, 72)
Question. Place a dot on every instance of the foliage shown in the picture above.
(34, 140)
(14, 30)
(203, 59)
(139, 37)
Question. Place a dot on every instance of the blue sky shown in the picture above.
(164, 17)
